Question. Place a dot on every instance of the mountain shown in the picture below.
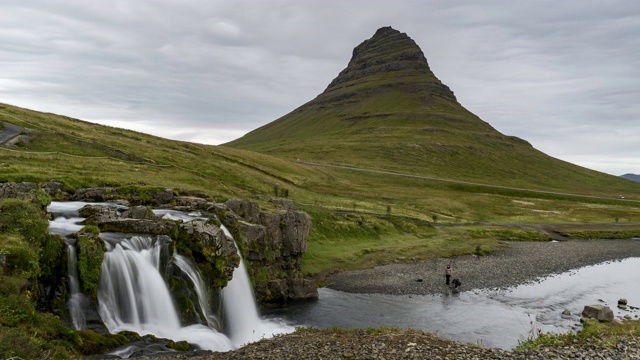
(388, 111)
(633, 177)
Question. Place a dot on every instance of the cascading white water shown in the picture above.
(203, 297)
(243, 322)
(77, 300)
(133, 296)
(67, 221)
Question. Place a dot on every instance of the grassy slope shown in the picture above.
(360, 218)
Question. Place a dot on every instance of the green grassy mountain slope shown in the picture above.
(388, 111)
(360, 218)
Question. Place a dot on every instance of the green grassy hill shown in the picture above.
(388, 111)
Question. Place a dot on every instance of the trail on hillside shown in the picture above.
(460, 181)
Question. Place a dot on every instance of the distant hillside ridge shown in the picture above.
(630, 176)
(388, 111)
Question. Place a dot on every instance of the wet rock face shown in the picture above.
(274, 246)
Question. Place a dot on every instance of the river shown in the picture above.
(498, 319)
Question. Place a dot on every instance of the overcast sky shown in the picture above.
(563, 75)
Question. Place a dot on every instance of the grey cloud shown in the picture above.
(561, 75)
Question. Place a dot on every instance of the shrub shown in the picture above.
(53, 259)
(21, 258)
(21, 217)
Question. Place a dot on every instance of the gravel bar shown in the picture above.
(519, 263)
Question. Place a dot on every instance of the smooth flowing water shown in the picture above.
(134, 296)
(189, 269)
(489, 318)
(244, 324)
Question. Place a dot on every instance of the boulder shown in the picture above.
(191, 202)
(599, 312)
(138, 212)
(23, 190)
(139, 226)
(98, 214)
(622, 303)
(163, 197)
(55, 188)
(212, 240)
(94, 194)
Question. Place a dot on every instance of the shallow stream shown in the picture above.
(489, 318)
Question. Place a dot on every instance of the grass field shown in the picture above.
(360, 218)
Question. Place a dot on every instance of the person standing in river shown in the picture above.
(447, 274)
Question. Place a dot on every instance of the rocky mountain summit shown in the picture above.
(393, 55)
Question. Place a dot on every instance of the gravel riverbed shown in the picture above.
(519, 263)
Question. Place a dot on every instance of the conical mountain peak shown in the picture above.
(389, 54)
(387, 110)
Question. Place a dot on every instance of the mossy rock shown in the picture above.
(94, 343)
(90, 256)
(179, 346)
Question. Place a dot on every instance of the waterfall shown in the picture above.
(203, 297)
(68, 221)
(133, 295)
(242, 319)
(78, 302)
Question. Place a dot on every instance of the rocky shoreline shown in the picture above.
(519, 263)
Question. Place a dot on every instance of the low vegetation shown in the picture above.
(26, 332)
(593, 333)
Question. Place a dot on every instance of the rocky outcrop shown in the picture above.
(211, 240)
(136, 195)
(97, 194)
(389, 51)
(38, 193)
(273, 242)
(23, 190)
